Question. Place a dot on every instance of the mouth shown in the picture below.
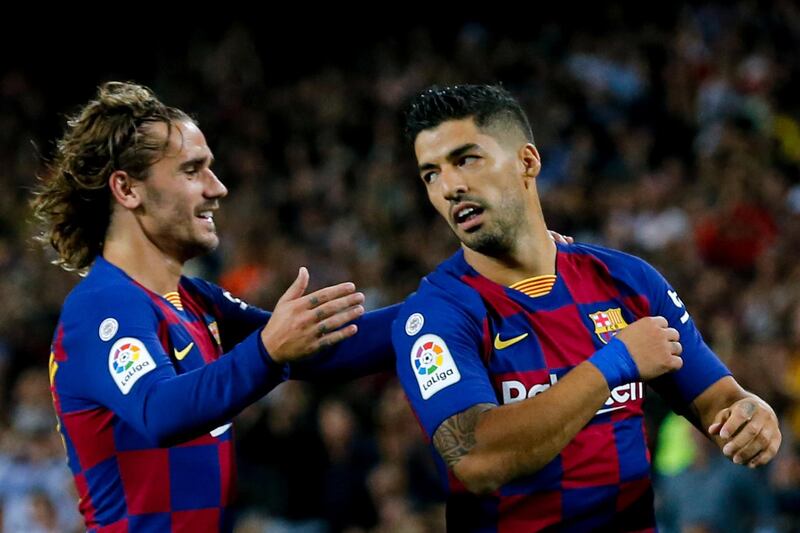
(467, 216)
(207, 216)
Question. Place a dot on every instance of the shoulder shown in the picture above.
(99, 301)
(445, 302)
(620, 265)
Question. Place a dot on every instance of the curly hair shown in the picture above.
(112, 132)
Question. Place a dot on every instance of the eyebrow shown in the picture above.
(452, 155)
(196, 161)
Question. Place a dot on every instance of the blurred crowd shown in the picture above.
(676, 138)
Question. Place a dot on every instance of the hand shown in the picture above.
(653, 345)
(560, 239)
(301, 325)
(748, 432)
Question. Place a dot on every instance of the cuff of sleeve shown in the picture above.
(614, 361)
(276, 372)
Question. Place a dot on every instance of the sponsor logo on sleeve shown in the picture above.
(677, 302)
(108, 328)
(128, 361)
(414, 324)
(433, 365)
(235, 300)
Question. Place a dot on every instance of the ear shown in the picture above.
(124, 189)
(530, 161)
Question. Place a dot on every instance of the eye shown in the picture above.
(468, 159)
(429, 177)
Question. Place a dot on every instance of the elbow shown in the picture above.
(477, 478)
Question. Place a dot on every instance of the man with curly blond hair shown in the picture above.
(148, 366)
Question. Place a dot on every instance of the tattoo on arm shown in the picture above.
(456, 436)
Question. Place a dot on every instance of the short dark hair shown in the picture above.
(485, 103)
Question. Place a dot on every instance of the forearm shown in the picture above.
(185, 406)
(519, 439)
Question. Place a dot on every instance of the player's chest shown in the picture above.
(554, 339)
(192, 341)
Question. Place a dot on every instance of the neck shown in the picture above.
(142, 260)
(533, 254)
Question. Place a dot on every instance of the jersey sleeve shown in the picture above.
(701, 367)
(113, 358)
(367, 352)
(438, 347)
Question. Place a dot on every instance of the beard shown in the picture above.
(498, 236)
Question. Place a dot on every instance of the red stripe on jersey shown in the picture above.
(196, 521)
(564, 338)
(59, 354)
(494, 294)
(145, 479)
(209, 349)
(630, 492)
(85, 505)
(227, 473)
(591, 458)
(638, 305)
(163, 335)
(587, 279)
(92, 435)
(487, 342)
(529, 512)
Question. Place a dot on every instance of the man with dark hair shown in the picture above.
(524, 358)
(149, 366)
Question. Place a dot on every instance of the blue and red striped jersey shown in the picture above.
(145, 386)
(462, 340)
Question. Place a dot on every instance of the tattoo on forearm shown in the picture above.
(456, 436)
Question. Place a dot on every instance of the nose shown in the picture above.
(214, 186)
(452, 183)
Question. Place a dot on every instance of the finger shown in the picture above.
(339, 319)
(676, 348)
(719, 420)
(748, 431)
(561, 239)
(672, 334)
(759, 443)
(766, 455)
(329, 293)
(339, 304)
(337, 336)
(660, 321)
(675, 363)
(741, 413)
(298, 286)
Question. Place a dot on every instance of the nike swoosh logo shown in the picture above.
(601, 411)
(501, 344)
(179, 355)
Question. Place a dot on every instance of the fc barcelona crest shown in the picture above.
(608, 323)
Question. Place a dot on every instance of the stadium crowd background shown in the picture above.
(672, 133)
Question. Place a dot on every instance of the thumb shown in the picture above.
(298, 286)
